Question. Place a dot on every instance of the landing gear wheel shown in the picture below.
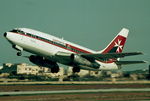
(55, 70)
(76, 69)
(19, 53)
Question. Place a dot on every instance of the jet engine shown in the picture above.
(80, 61)
(77, 59)
(41, 61)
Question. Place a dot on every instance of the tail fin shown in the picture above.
(117, 44)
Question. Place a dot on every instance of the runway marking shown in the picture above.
(75, 91)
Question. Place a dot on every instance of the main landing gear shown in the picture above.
(76, 69)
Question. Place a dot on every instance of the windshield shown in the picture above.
(17, 31)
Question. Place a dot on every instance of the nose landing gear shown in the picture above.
(19, 53)
(19, 49)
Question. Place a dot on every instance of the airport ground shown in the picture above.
(78, 96)
(117, 96)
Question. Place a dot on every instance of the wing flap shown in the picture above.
(100, 56)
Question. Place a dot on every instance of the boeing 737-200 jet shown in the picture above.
(49, 50)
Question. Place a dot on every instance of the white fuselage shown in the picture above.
(47, 45)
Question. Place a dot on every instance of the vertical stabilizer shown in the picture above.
(117, 44)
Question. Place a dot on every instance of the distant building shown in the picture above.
(27, 69)
(23, 68)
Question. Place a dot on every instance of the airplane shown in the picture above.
(49, 50)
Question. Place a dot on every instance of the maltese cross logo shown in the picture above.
(118, 44)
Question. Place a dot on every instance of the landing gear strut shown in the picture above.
(19, 49)
(19, 53)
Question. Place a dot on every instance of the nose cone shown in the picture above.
(5, 34)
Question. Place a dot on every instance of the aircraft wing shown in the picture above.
(129, 62)
(99, 56)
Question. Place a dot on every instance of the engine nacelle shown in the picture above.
(75, 59)
(80, 60)
(83, 61)
(40, 61)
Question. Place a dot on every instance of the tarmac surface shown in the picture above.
(74, 91)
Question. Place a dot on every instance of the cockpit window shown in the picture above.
(17, 31)
(14, 30)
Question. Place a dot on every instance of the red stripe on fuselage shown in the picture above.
(81, 50)
(68, 45)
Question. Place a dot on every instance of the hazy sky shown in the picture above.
(90, 23)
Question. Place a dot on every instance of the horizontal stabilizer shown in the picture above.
(129, 62)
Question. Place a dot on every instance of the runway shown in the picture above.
(74, 91)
